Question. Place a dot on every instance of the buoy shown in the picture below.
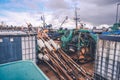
(40, 43)
(48, 46)
(45, 57)
(40, 56)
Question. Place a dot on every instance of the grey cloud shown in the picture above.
(106, 2)
(99, 2)
(56, 4)
(94, 11)
(98, 14)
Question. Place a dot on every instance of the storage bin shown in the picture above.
(17, 45)
(21, 70)
(107, 62)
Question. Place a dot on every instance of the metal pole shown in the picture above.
(76, 18)
(64, 21)
(117, 12)
(44, 21)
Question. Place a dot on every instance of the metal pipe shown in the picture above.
(51, 66)
(63, 65)
(64, 21)
(117, 12)
(76, 18)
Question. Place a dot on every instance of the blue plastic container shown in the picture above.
(15, 46)
(21, 70)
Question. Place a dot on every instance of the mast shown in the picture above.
(43, 21)
(117, 12)
(76, 18)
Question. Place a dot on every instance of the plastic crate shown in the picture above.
(16, 46)
(21, 70)
(107, 63)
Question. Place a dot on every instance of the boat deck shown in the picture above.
(52, 76)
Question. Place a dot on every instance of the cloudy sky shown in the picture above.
(92, 12)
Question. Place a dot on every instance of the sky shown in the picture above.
(91, 12)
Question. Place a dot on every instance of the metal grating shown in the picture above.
(29, 48)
